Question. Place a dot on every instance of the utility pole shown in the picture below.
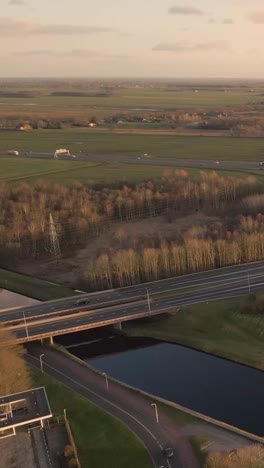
(54, 240)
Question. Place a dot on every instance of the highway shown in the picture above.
(131, 158)
(129, 407)
(114, 306)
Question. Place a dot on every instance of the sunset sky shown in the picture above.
(132, 38)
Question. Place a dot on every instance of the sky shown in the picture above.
(132, 38)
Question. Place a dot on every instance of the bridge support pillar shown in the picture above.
(51, 340)
(118, 326)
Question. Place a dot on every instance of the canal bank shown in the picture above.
(215, 387)
(215, 327)
(206, 434)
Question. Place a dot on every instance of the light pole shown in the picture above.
(106, 380)
(156, 411)
(41, 362)
(248, 281)
(25, 323)
(148, 299)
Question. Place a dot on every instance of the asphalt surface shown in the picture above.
(247, 166)
(113, 306)
(129, 407)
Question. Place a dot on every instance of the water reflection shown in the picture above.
(218, 388)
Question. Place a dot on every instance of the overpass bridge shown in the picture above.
(87, 311)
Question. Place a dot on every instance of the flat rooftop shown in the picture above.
(19, 409)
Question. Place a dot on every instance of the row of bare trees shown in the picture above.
(84, 211)
(129, 266)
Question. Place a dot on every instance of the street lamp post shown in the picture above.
(25, 323)
(156, 411)
(106, 380)
(41, 362)
(148, 298)
(248, 281)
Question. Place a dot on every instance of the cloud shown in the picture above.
(49, 52)
(74, 53)
(256, 17)
(16, 26)
(67, 29)
(185, 10)
(227, 21)
(16, 2)
(181, 46)
(29, 53)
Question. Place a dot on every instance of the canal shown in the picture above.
(216, 387)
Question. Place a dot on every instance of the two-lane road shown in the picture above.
(135, 158)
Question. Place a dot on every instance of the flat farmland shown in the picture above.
(15, 170)
(133, 99)
(108, 142)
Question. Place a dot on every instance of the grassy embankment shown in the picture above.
(161, 146)
(101, 440)
(216, 328)
(32, 287)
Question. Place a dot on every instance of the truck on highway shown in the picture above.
(61, 152)
(13, 153)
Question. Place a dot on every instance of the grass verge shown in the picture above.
(197, 442)
(216, 328)
(32, 287)
(101, 440)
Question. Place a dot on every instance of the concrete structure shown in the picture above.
(23, 409)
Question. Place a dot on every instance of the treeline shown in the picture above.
(129, 266)
(83, 211)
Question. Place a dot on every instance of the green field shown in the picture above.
(102, 441)
(33, 287)
(135, 98)
(163, 146)
(15, 170)
(215, 327)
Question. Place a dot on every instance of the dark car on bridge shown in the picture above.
(82, 302)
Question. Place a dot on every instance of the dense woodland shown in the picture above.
(81, 212)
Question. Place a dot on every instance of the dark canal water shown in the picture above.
(224, 390)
